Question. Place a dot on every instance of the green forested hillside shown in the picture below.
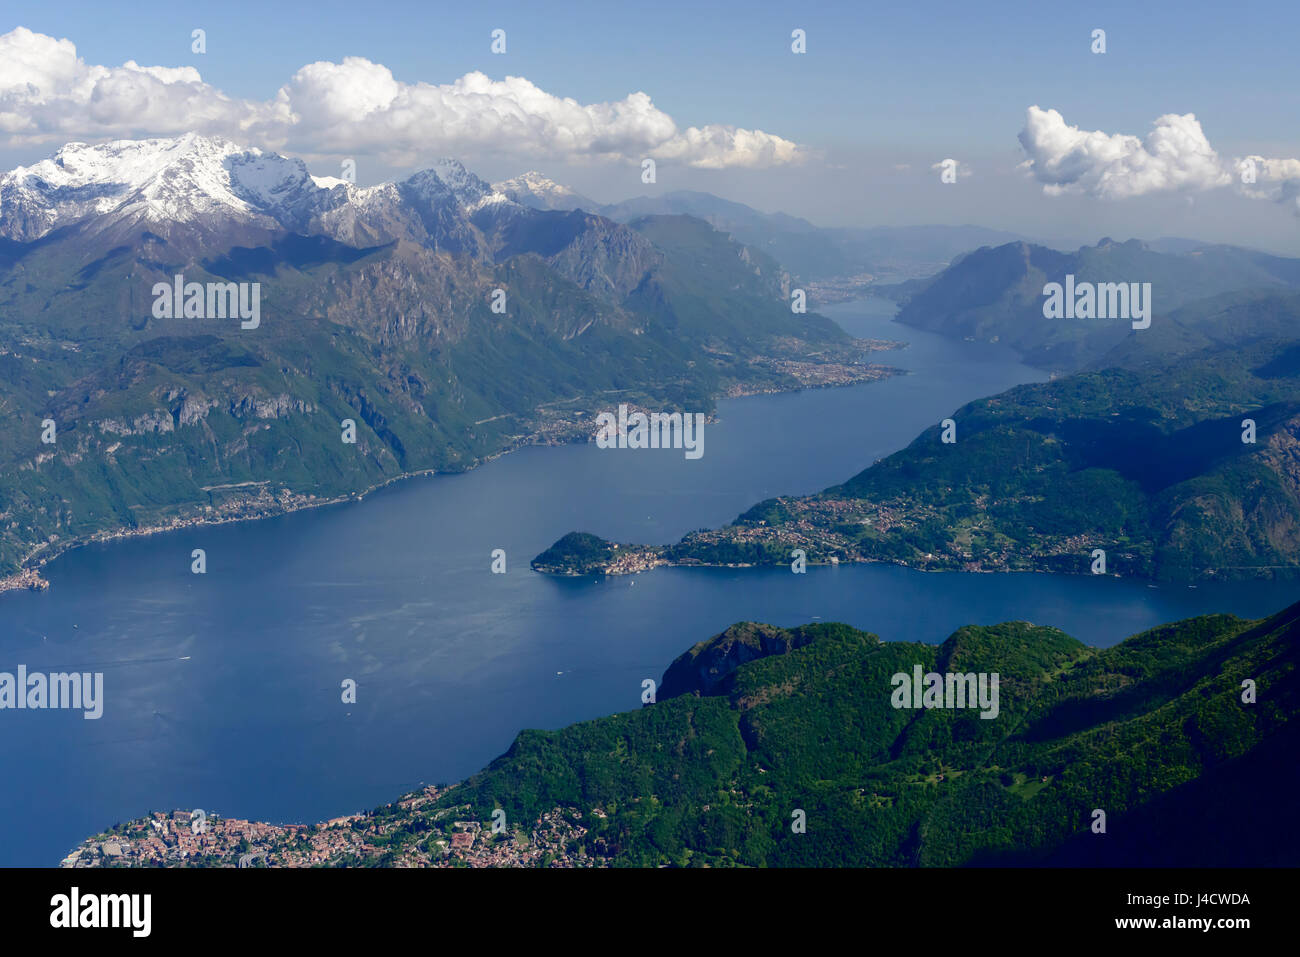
(786, 747)
(1148, 462)
(714, 779)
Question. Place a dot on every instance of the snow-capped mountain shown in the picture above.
(375, 304)
(535, 190)
(471, 192)
(199, 187)
(183, 180)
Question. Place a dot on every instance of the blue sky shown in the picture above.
(881, 87)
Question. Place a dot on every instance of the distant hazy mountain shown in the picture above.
(996, 294)
(814, 253)
(809, 252)
(797, 244)
(376, 305)
(1229, 321)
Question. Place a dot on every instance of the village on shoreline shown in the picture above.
(411, 832)
(552, 427)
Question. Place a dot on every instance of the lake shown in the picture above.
(222, 691)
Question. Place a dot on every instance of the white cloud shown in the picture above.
(49, 94)
(1175, 156)
(1274, 179)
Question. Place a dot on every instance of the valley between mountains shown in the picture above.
(1173, 450)
(450, 320)
(447, 321)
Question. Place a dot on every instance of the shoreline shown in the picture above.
(29, 578)
(631, 559)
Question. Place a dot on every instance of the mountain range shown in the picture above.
(447, 321)
(1172, 454)
(997, 294)
(810, 253)
(379, 308)
(1179, 467)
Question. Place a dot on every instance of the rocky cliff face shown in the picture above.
(706, 667)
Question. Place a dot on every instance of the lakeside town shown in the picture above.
(411, 832)
(28, 578)
(831, 529)
(815, 375)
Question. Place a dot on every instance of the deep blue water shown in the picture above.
(452, 661)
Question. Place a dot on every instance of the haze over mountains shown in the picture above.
(888, 253)
(996, 294)
(925, 266)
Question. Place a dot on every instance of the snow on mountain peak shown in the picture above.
(329, 182)
(201, 179)
(535, 181)
(468, 189)
(156, 180)
(541, 192)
